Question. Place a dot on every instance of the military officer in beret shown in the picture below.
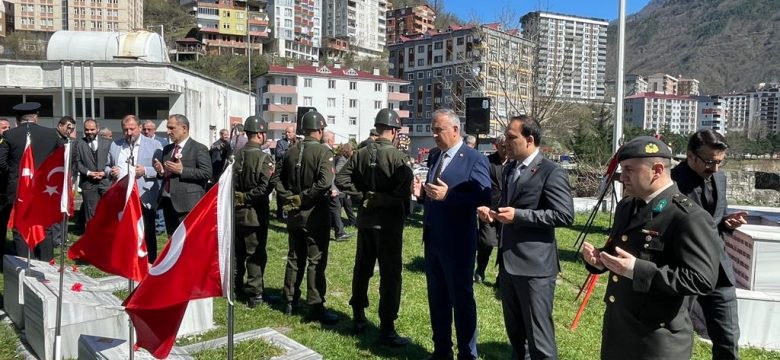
(305, 179)
(253, 170)
(383, 176)
(660, 251)
(372, 136)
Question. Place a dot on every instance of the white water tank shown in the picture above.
(105, 46)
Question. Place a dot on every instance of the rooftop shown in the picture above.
(657, 95)
(329, 71)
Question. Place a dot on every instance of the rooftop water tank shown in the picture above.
(104, 46)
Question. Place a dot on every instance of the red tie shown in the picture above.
(167, 179)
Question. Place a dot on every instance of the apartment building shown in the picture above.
(446, 67)
(662, 112)
(662, 83)
(48, 16)
(736, 111)
(3, 15)
(348, 99)
(362, 23)
(297, 31)
(689, 87)
(711, 114)
(571, 59)
(764, 110)
(230, 26)
(409, 21)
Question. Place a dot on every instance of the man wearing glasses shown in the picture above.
(698, 178)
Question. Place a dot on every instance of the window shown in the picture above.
(427, 128)
(419, 128)
(78, 106)
(437, 45)
(306, 82)
(410, 76)
(410, 89)
(353, 103)
(353, 85)
(120, 106)
(286, 100)
(284, 81)
(285, 118)
(378, 87)
(428, 87)
(420, 75)
(307, 101)
(448, 71)
(437, 72)
(420, 62)
(352, 120)
(428, 74)
(460, 41)
(331, 84)
(421, 49)
(331, 102)
(377, 104)
(428, 115)
(437, 59)
(331, 119)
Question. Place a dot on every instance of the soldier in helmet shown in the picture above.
(383, 175)
(305, 178)
(253, 170)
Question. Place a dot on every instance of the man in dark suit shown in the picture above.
(43, 141)
(452, 192)
(185, 169)
(282, 146)
(659, 252)
(488, 232)
(149, 130)
(699, 179)
(5, 203)
(536, 200)
(91, 156)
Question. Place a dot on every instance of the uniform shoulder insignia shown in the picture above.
(682, 202)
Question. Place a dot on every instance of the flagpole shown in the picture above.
(130, 284)
(231, 275)
(64, 207)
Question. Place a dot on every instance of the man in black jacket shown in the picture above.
(488, 232)
(43, 141)
(699, 179)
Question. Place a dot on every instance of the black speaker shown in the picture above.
(477, 115)
(302, 110)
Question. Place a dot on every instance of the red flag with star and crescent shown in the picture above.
(114, 238)
(43, 199)
(26, 170)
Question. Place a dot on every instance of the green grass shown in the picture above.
(251, 349)
(337, 342)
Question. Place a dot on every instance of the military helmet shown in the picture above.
(312, 120)
(388, 117)
(255, 124)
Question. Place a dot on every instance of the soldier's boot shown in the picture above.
(360, 323)
(318, 313)
(290, 308)
(389, 337)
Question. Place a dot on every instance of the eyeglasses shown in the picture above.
(711, 163)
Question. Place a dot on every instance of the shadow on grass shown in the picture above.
(594, 229)
(367, 340)
(416, 265)
(494, 350)
(569, 255)
(415, 220)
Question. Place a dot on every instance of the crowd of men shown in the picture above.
(664, 251)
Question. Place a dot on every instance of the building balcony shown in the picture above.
(280, 108)
(397, 96)
(231, 44)
(258, 21)
(403, 114)
(279, 89)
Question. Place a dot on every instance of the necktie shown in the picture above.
(708, 199)
(439, 167)
(167, 179)
(93, 145)
(518, 171)
(638, 205)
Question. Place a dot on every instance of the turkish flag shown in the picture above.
(26, 170)
(41, 202)
(114, 238)
(193, 265)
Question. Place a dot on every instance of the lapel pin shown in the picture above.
(650, 232)
(660, 206)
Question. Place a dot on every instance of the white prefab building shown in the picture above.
(151, 91)
(348, 99)
(659, 112)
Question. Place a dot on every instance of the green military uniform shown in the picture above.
(253, 170)
(305, 178)
(382, 175)
(647, 316)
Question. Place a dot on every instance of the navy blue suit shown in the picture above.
(450, 236)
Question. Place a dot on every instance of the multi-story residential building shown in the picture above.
(360, 22)
(2, 18)
(446, 67)
(48, 17)
(711, 114)
(409, 21)
(634, 84)
(689, 87)
(662, 112)
(297, 31)
(348, 99)
(764, 109)
(736, 111)
(571, 59)
(223, 25)
(662, 83)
